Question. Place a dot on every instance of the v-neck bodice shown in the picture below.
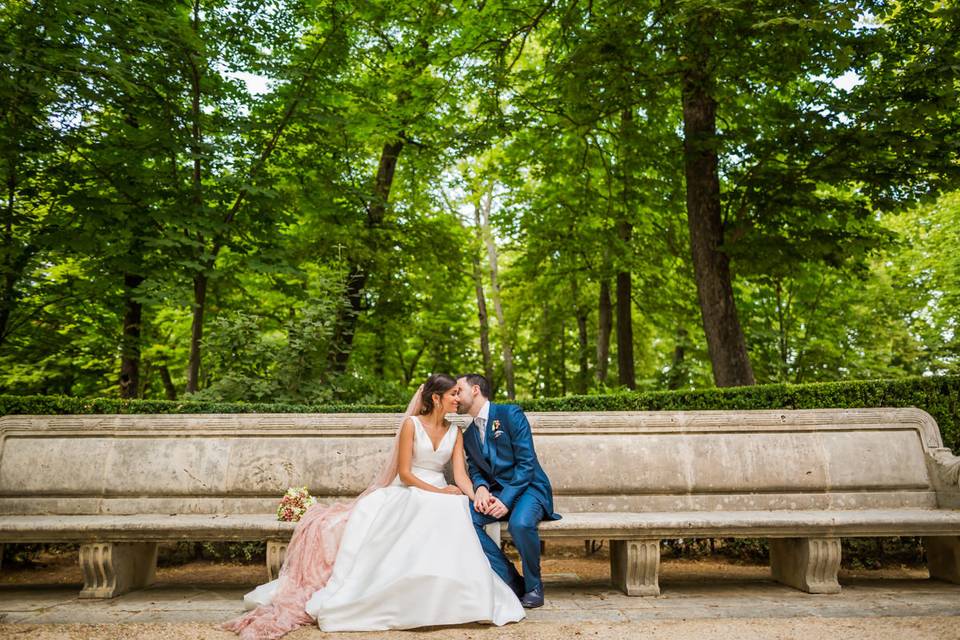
(424, 455)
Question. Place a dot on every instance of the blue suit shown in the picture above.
(506, 463)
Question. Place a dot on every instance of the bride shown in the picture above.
(402, 555)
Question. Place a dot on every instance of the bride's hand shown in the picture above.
(452, 490)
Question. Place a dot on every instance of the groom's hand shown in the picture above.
(497, 509)
(481, 501)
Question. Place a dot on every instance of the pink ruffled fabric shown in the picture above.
(310, 556)
(306, 569)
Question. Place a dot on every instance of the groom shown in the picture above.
(508, 482)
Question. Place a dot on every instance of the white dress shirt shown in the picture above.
(481, 420)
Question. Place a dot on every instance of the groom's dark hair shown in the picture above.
(480, 381)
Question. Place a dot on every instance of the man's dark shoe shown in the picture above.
(532, 599)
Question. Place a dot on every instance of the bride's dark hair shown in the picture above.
(438, 383)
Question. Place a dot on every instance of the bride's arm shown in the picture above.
(405, 458)
(459, 463)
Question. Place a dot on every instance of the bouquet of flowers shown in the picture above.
(294, 504)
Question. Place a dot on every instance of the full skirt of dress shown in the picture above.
(408, 558)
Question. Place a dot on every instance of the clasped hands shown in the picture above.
(488, 504)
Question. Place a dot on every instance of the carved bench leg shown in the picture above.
(808, 564)
(113, 568)
(276, 552)
(635, 566)
(943, 557)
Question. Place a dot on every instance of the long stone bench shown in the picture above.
(119, 484)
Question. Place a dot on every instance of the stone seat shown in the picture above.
(119, 484)
(600, 526)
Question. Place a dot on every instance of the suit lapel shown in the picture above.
(491, 445)
(471, 441)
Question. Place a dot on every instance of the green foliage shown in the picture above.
(64, 405)
(243, 143)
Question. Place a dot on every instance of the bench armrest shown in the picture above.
(945, 472)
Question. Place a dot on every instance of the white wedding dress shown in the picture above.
(409, 558)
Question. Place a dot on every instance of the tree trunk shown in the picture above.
(495, 292)
(625, 332)
(196, 331)
(196, 150)
(482, 307)
(563, 357)
(625, 321)
(583, 346)
(346, 322)
(725, 339)
(604, 328)
(675, 379)
(409, 370)
(130, 343)
(10, 274)
(168, 387)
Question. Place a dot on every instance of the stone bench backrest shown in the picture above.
(613, 461)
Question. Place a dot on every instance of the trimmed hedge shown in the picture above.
(64, 405)
(938, 396)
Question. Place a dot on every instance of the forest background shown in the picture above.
(324, 201)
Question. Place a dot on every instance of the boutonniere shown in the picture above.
(496, 429)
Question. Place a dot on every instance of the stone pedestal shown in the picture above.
(276, 553)
(113, 568)
(943, 557)
(808, 564)
(635, 566)
(493, 530)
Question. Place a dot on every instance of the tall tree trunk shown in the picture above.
(725, 339)
(625, 364)
(482, 306)
(675, 378)
(196, 149)
(604, 328)
(346, 322)
(583, 346)
(130, 345)
(563, 357)
(409, 369)
(782, 372)
(505, 339)
(196, 331)
(10, 273)
(168, 387)
(544, 352)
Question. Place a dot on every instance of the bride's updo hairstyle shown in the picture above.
(438, 383)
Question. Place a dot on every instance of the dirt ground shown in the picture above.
(562, 561)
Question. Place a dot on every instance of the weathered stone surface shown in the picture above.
(943, 557)
(610, 526)
(621, 476)
(635, 566)
(112, 568)
(276, 553)
(808, 564)
(597, 462)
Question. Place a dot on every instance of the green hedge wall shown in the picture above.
(62, 405)
(939, 396)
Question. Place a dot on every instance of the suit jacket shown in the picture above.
(506, 462)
